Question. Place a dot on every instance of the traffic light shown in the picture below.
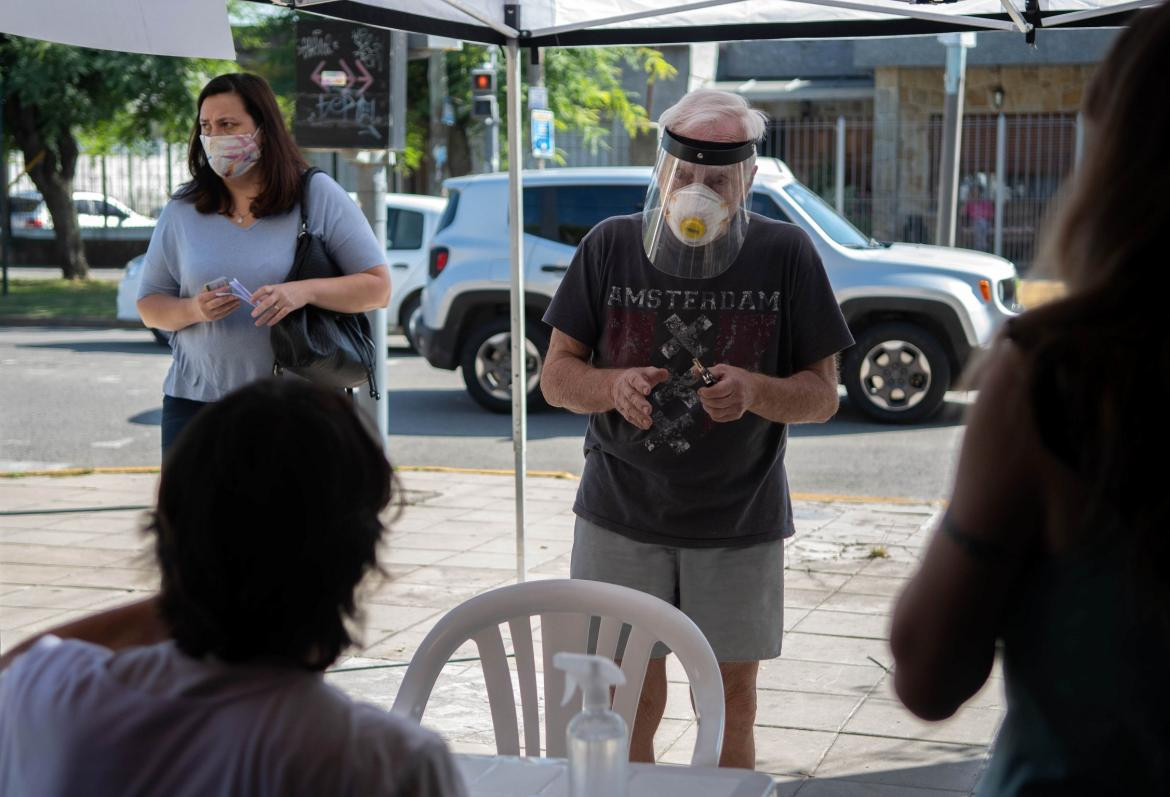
(483, 93)
(484, 107)
(483, 82)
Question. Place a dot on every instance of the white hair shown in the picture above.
(711, 106)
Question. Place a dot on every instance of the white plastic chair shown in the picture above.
(565, 607)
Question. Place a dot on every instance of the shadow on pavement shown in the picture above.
(145, 346)
(950, 778)
(147, 418)
(452, 413)
(849, 420)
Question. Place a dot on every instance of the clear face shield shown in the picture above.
(695, 217)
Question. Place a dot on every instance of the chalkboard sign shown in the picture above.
(343, 85)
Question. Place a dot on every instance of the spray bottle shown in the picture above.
(597, 737)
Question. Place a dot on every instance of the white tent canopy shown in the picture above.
(191, 28)
(200, 27)
(546, 23)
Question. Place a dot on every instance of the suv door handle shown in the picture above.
(554, 268)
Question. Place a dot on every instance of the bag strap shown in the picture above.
(305, 178)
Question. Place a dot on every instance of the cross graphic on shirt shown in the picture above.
(669, 432)
(685, 336)
(680, 387)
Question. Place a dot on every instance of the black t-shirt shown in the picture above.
(689, 481)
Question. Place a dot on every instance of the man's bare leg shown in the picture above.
(739, 695)
(651, 706)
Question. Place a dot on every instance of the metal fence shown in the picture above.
(142, 179)
(1034, 153)
(833, 158)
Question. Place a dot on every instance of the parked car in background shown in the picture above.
(411, 220)
(917, 312)
(97, 216)
(127, 309)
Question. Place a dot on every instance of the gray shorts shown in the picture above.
(734, 595)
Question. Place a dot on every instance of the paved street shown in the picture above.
(828, 721)
(81, 397)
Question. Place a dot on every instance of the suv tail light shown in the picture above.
(439, 256)
(33, 223)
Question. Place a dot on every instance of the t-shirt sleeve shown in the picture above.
(160, 266)
(341, 223)
(818, 328)
(574, 310)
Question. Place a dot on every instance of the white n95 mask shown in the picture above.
(231, 155)
(697, 215)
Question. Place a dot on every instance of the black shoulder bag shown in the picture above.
(323, 346)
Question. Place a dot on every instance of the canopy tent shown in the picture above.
(566, 23)
(191, 28)
(200, 27)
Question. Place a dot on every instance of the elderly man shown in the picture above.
(692, 334)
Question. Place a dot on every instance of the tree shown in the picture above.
(56, 94)
(585, 87)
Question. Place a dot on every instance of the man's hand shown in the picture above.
(730, 397)
(630, 390)
(215, 304)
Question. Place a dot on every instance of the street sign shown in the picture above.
(537, 98)
(343, 85)
(543, 133)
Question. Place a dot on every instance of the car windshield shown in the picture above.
(23, 204)
(834, 224)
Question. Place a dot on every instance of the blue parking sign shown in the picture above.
(543, 133)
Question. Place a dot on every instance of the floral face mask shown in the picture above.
(231, 155)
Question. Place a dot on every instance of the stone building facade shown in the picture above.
(890, 92)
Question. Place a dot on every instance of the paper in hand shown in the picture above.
(240, 292)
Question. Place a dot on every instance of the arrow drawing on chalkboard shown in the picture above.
(316, 76)
(366, 79)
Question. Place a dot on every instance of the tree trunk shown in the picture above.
(458, 151)
(54, 162)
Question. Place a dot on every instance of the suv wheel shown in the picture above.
(411, 306)
(896, 373)
(486, 363)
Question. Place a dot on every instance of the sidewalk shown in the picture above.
(828, 721)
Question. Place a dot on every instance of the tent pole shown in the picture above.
(519, 339)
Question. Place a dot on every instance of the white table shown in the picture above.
(509, 776)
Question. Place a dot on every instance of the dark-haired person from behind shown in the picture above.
(238, 218)
(267, 519)
(1056, 542)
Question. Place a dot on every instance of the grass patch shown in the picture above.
(878, 552)
(60, 298)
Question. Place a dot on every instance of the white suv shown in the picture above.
(917, 312)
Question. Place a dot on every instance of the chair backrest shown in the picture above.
(565, 608)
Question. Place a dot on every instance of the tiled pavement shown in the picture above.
(828, 721)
